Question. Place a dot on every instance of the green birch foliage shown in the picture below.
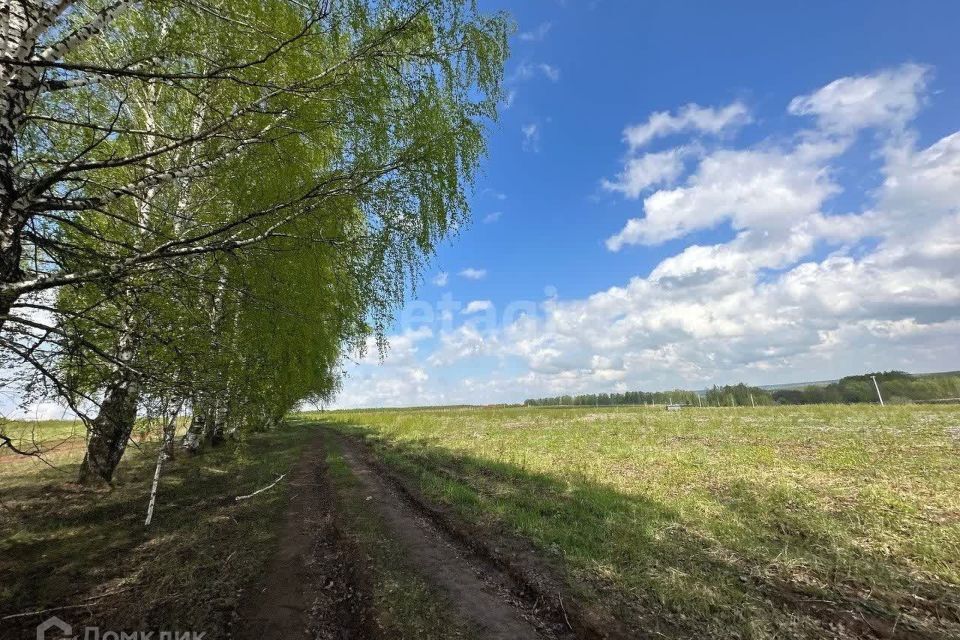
(348, 178)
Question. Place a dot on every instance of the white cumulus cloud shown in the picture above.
(691, 117)
(797, 292)
(648, 170)
(890, 98)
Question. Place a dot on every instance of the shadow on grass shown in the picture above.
(61, 545)
(770, 565)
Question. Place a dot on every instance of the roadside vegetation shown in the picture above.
(87, 555)
(404, 604)
(839, 521)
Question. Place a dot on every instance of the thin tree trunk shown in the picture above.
(170, 433)
(208, 414)
(197, 432)
(216, 436)
(119, 410)
(166, 452)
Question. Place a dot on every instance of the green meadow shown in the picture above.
(716, 522)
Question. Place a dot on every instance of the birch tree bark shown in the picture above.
(111, 429)
(165, 453)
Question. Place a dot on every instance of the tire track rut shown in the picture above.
(480, 593)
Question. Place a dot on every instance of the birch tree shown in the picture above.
(139, 156)
(388, 78)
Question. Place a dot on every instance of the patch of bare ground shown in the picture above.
(860, 617)
(482, 593)
(474, 565)
(315, 585)
(537, 587)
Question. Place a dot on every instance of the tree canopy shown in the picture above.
(209, 203)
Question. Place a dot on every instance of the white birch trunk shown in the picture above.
(22, 23)
(169, 429)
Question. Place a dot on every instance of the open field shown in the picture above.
(800, 522)
(826, 521)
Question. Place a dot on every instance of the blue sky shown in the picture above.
(680, 194)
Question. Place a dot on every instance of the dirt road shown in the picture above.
(314, 586)
(319, 583)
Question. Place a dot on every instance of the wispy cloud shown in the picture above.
(476, 306)
(536, 34)
(492, 217)
(691, 117)
(529, 70)
(472, 273)
(441, 279)
(531, 137)
(550, 71)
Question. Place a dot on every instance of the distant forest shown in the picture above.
(897, 387)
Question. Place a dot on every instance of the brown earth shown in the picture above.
(315, 585)
(318, 584)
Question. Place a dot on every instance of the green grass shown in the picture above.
(63, 545)
(61, 443)
(759, 523)
(58, 440)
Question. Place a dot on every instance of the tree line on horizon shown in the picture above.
(896, 386)
(207, 205)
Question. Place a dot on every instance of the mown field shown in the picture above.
(818, 521)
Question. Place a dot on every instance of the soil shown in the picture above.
(315, 585)
(318, 584)
(478, 591)
(533, 581)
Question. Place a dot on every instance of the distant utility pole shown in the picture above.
(877, 387)
(752, 402)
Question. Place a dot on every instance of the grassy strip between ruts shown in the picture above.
(65, 546)
(404, 606)
(825, 521)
